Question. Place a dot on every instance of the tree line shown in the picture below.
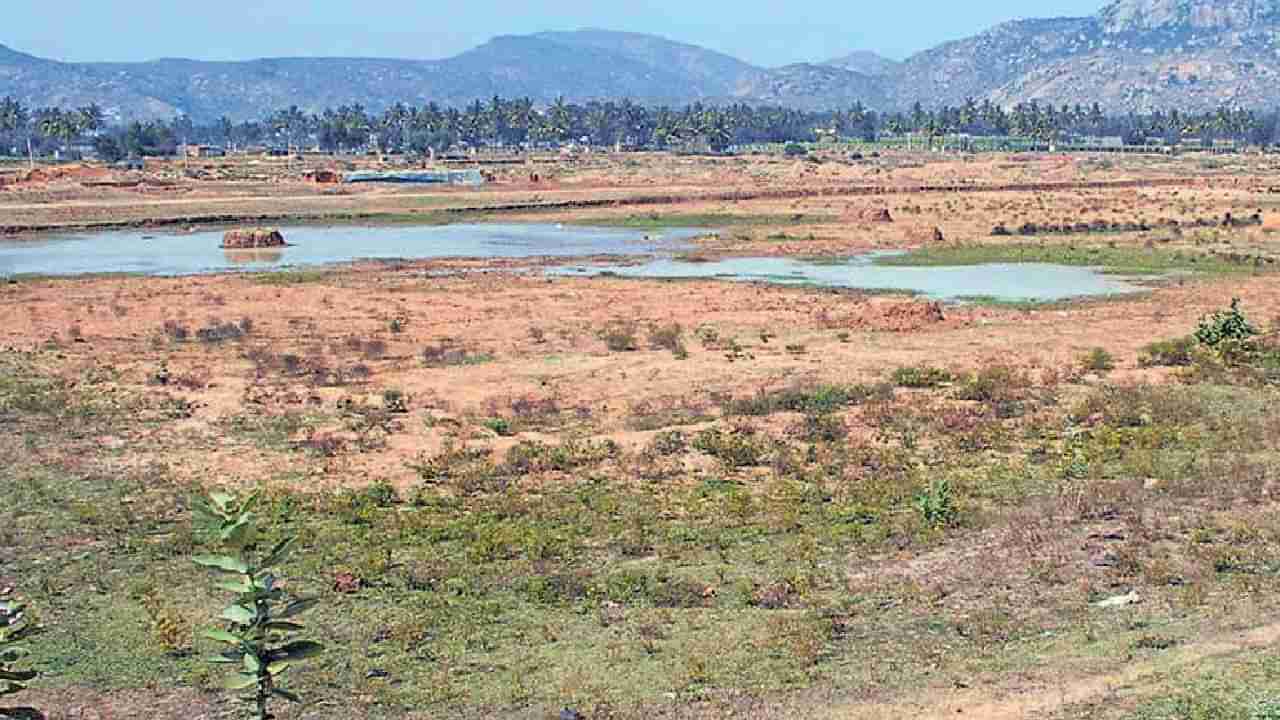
(514, 123)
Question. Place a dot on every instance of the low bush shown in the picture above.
(532, 456)
(793, 150)
(820, 427)
(822, 398)
(1180, 352)
(1225, 327)
(620, 337)
(936, 504)
(921, 376)
(216, 332)
(993, 384)
(735, 448)
(1098, 360)
(667, 337)
(443, 355)
(672, 442)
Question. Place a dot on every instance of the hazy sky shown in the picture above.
(759, 31)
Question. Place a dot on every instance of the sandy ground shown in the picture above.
(540, 337)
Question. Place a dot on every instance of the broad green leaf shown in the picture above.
(22, 676)
(278, 668)
(222, 500)
(252, 664)
(286, 695)
(284, 626)
(237, 585)
(239, 615)
(237, 533)
(297, 607)
(225, 563)
(240, 681)
(278, 553)
(223, 636)
(299, 650)
(223, 659)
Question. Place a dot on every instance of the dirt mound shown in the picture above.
(252, 238)
(64, 172)
(926, 236)
(324, 177)
(888, 316)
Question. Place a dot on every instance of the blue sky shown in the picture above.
(759, 31)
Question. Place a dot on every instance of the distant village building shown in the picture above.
(202, 151)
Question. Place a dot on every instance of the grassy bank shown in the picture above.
(1118, 260)
(658, 221)
(808, 538)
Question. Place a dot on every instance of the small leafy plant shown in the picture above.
(1226, 327)
(13, 630)
(259, 621)
(936, 504)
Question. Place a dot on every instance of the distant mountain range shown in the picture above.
(1134, 55)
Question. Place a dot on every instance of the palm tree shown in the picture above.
(292, 123)
(90, 118)
(559, 120)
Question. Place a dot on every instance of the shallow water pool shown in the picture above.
(1005, 282)
(157, 253)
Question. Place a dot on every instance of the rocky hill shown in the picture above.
(865, 62)
(816, 87)
(1133, 55)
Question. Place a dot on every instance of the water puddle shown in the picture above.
(151, 253)
(1004, 282)
(154, 253)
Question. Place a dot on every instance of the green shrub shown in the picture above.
(395, 402)
(440, 356)
(921, 376)
(620, 337)
(805, 398)
(936, 504)
(672, 442)
(500, 426)
(1225, 327)
(821, 427)
(794, 150)
(668, 337)
(734, 448)
(993, 385)
(533, 456)
(1098, 360)
(1179, 352)
(259, 622)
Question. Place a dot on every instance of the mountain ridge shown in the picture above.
(1132, 55)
